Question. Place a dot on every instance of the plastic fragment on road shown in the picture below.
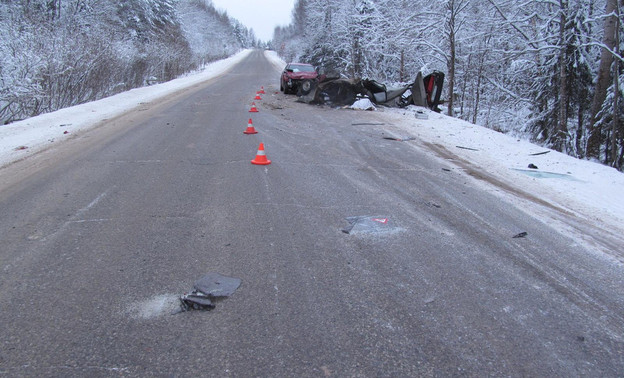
(370, 225)
(363, 104)
(208, 289)
(546, 175)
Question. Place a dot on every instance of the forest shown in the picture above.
(544, 68)
(59, 53)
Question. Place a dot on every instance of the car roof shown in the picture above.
(300, 64)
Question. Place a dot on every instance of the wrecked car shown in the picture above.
(424, 91)
(298, 78)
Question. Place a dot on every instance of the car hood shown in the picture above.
(302, 75)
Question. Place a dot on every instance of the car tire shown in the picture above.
(305, 87)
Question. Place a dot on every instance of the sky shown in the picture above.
(260, 15)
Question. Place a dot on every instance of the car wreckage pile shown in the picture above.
(424, 91)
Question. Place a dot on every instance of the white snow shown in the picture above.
(587, 189)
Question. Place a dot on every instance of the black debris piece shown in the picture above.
(539, 153)
(533, 166)
(446, 169)
(520, 235)
(196, 301)
(399, 139)
(207, 289)
(467, 148)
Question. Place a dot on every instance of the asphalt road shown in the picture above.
(99, 235)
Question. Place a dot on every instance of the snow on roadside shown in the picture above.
(21, 139)
(588, 189)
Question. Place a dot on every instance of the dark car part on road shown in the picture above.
(206, 290)
(298, 78)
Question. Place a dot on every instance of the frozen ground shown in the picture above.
(589, 190)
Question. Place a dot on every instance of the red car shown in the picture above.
(298, 78)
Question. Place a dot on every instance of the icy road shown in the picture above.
(358, 255)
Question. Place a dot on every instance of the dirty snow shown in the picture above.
(588, 189)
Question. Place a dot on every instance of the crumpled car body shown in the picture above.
(423, 92)
(298, 78)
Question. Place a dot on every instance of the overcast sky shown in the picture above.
(260, 15)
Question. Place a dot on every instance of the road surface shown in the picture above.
(100, 235)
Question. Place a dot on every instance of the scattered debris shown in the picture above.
(208, 289)
(65, 124)
(369, 225)
(446, 170)
(400, 139)
(363, 104)
(21, 148)
(544, 174)
(65, 132)
(539, 153)
(533, 166)
(368, 124)
(420, 114)
(520, 235)
(467, 148)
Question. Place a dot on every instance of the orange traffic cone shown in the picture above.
(253, 108)
(261, 90)
(250, 128)
(257, 97)
(261, 158)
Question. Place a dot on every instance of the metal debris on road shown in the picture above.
(533, 166)
(520, 235)
(369, 225)
(207, 289)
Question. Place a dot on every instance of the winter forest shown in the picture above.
(59, 53)
(547, 68)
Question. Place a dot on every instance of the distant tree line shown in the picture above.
(59, 53)
(545, 67)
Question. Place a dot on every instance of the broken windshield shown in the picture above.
(301, 68)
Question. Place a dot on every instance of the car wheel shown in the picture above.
(281, 86)
(305, 87)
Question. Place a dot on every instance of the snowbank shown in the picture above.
(588, 189)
